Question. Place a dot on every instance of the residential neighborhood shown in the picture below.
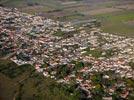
(67, 53)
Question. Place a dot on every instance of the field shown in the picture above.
(116, 17)
(118, 22)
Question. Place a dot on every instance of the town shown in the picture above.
(65, 52)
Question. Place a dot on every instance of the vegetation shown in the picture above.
(131, 64)
(11, 70)
(101, 85)
(99, 52)
(59, 33)
(76, 15)
(117, 22)
(27, 84)
(95, 53)
(24, 83)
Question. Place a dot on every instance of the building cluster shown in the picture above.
(29, 39)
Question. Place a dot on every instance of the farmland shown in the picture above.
(118, 22)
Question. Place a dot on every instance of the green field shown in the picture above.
(31, 6)
(121, 23)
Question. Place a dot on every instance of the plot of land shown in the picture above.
(117, 22)
(33, 10)
(128, 6)
(130, 22)
(101, 11)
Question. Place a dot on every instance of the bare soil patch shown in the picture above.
(101, 11)
(127, 7)
(130, 22)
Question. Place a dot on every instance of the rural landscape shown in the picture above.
(66, 49)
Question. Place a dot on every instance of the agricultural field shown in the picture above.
(116, 17)
(118, 22)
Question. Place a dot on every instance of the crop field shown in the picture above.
(101, 11)
(33, 10)
(118, 22)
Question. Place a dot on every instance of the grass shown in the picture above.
(31, 6)
(72, 16)
(95, 53)
(11, 70)
(6, 88)
(98, 53)
(117, 22)
(33, 10)
(108, 4)
(15, 3)
(131, 64)
(59, 33)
